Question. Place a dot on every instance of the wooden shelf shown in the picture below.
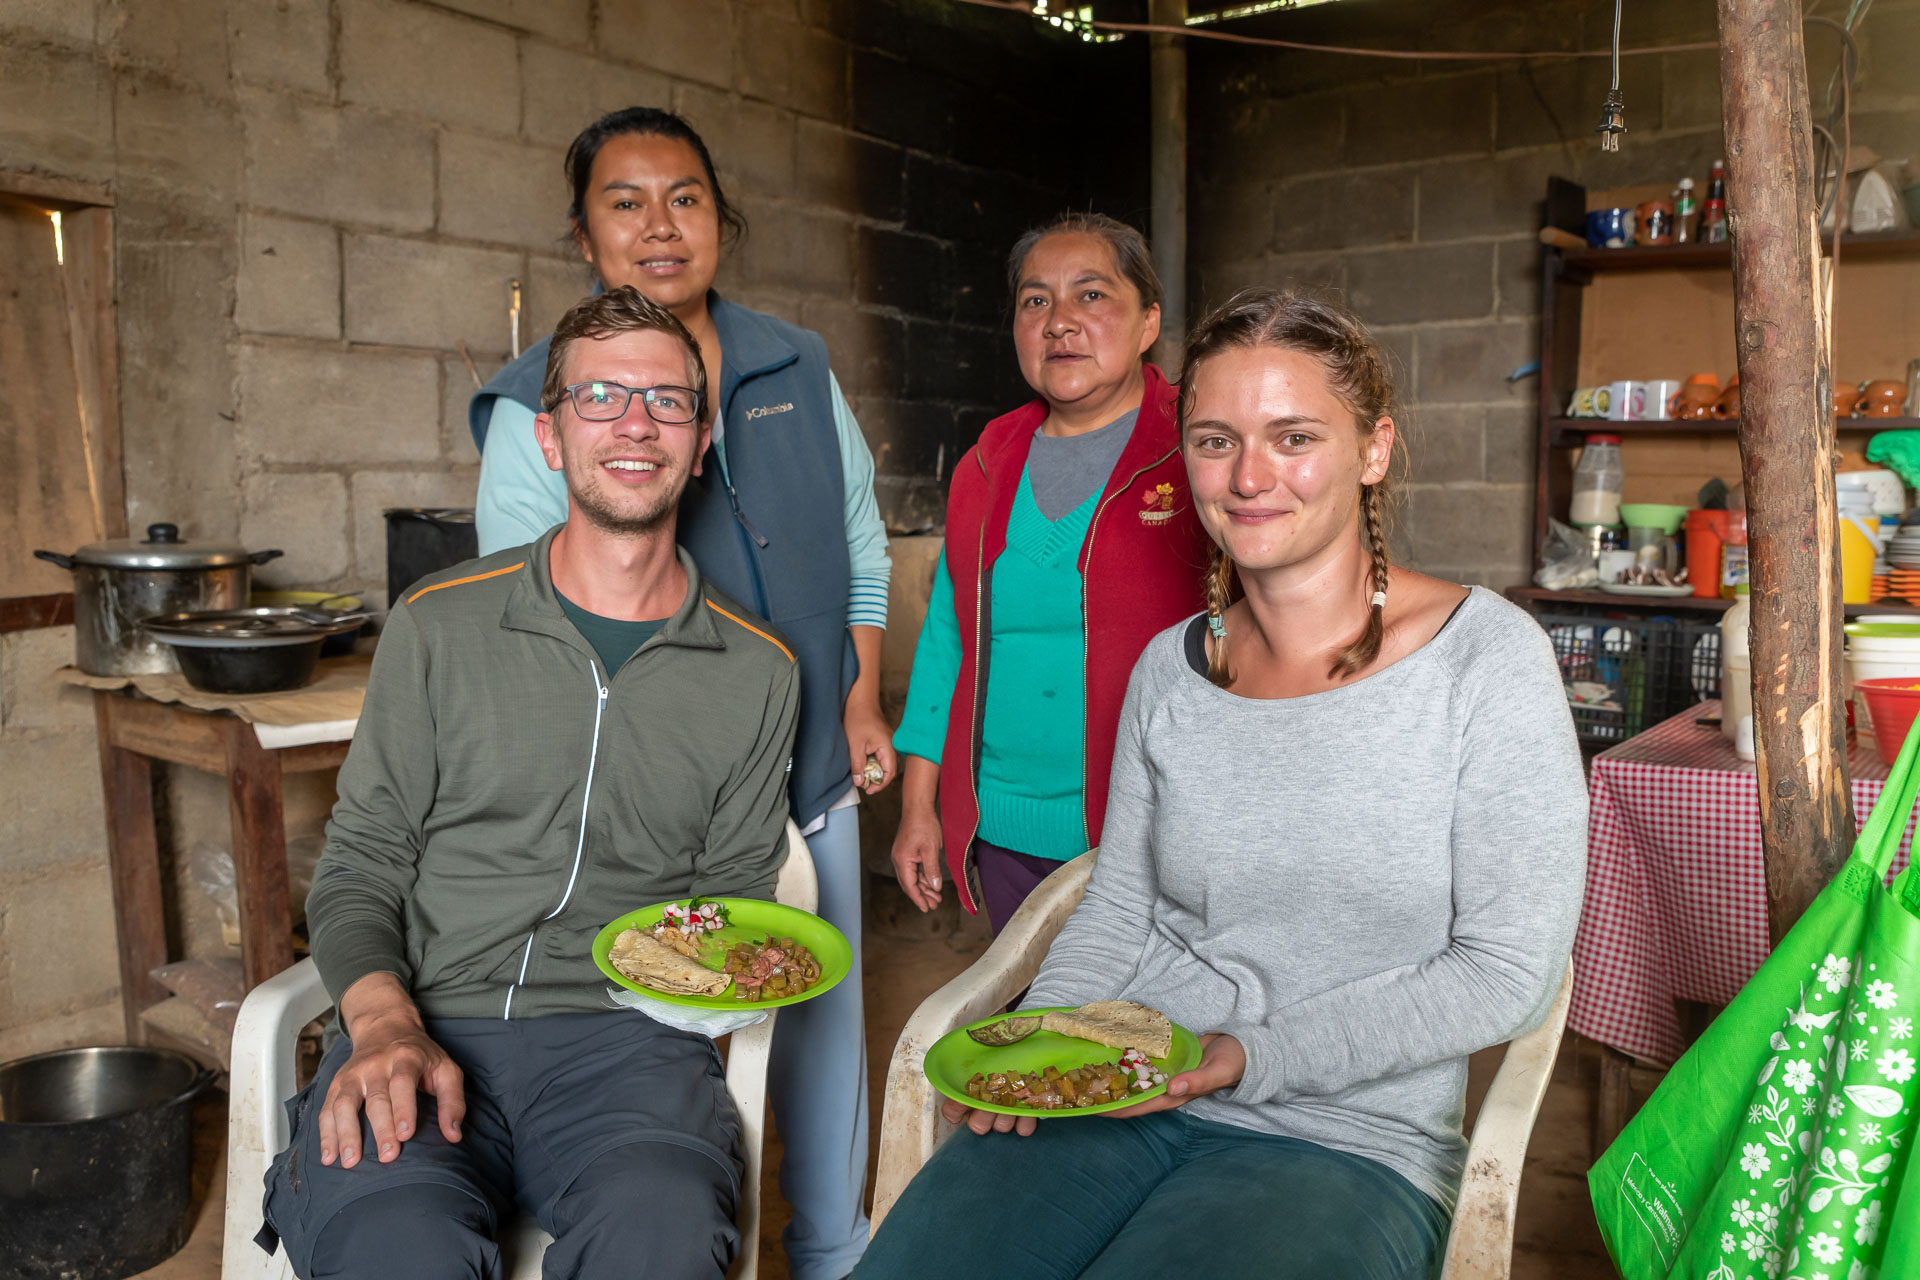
(1678, 257)
(1572, 432)
(1540, 597)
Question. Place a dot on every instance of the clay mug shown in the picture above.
(1845, 397)
(1695, 400)
(1728, 405)
(1883, 398)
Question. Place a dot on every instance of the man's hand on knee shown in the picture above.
(393, 1061)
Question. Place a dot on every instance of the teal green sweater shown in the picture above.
(1032, 751)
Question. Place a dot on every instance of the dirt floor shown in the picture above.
(908, 957)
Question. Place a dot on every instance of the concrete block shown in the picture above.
(868, 349)
(848, 172)
(73, 22)
(798, 250)
(375, 491)
(908, 273)
(281, 43)
(1402, 362)
(1233, 219)
(1421, 283)
(289, 278)
(56, 112)
(1446, 445)
(1469, 364)
(553, 285)
(1466, 198)
(409, 58)
(1517, 278)
(563, 20)
(56, 947)
(908, 589)
(973, 206)
(1420, 119)
(185, 40)
(178, 141)
(305, 514)
(411, 293)
(1269, 137)
(31, 702)
(502, 191)
(1513, 442)
(1215, 282)
(565, 92)
(1343, 210)
(1486, 527)
(320, 404)
(797, 66)
(953, 362)
(54, 815)
(176, 270)
(902, 102)
(913, 439)
(346, 166)
(751, 142)
(1559, 105)
(97, 1024)
(686, 41)
(1690, 90)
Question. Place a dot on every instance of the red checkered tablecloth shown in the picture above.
(1676, 905)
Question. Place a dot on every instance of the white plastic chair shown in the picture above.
(1480, 1244)
(264, 1040)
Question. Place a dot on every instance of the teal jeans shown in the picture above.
(1164, 1194)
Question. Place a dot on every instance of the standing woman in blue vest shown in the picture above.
(781, 515)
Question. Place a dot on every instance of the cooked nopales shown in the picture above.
(1121, 1024)
(657, 966)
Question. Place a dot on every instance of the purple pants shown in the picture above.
(1006, 878)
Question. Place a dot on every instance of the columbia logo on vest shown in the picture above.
(767, 410)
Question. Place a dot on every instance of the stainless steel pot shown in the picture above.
(116, 584)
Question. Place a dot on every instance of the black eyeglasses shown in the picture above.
(606, 401)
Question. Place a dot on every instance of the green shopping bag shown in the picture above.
(1776, 1146)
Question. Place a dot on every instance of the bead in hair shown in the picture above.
(1217, 625)
(1379, 600)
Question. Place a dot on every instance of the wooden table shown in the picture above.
(134, 732)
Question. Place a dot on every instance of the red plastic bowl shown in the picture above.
(1893, 702)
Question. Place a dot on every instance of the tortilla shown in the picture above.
(657, 966)
(1119, 1024)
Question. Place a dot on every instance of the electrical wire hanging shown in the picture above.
(1614, 109)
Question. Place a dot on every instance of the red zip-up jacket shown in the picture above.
(1142, 567)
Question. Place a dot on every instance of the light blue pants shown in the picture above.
(817, 1081)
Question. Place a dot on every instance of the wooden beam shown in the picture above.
(43, 192)
(27, 613)
(1786, 454)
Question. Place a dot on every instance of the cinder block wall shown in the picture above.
(319, 201)
(1414, 190)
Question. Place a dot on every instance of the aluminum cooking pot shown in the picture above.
(117, 583)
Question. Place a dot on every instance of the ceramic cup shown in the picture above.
(1626, 401)
(1589, 402)
(1844, 398)
(1881, 399)
(1659, 399)
(1610, 228)
(1728, 405)
(1694, 401)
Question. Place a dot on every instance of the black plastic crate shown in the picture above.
(1628, 673)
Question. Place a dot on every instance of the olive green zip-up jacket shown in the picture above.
(505, 797)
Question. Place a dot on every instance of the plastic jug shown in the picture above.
(1860, 546)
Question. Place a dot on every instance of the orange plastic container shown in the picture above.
(1706, 533)
(1893, 702)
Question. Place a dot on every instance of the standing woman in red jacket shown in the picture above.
(1071, 541)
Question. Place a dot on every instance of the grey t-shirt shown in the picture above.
(1064, 471)
(1363, 886)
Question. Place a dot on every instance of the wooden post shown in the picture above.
(1168, 162)
(1786, 454)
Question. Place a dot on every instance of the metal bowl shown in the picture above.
(264, 649)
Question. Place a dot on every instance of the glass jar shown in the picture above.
(1598, 481)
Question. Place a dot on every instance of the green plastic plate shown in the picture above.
(748, 920)
(957, 1057)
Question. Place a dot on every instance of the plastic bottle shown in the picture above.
(1686, 213)
(1713, 214)
(1599, 479)
(1736, 669)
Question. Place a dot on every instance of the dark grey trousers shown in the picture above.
(616, 1133)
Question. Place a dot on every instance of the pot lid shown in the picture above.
(261, 624)
(162, 548)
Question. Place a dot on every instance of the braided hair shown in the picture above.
(1356, 365)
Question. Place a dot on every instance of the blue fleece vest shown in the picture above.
(770, 531)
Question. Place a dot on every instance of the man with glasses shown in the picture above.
(553, 735)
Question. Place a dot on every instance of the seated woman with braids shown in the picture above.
(1345, 842)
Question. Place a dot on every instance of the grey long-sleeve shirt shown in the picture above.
(1363, 885)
